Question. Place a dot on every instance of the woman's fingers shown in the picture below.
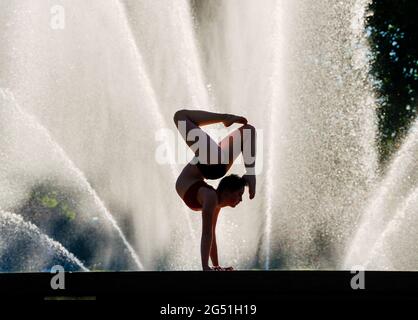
(251, 183)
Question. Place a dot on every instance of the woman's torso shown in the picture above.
(192, 178)
(188, 176)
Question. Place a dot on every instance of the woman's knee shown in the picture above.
(179, 116)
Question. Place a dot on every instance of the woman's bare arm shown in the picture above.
(214, 247)
(208, 211)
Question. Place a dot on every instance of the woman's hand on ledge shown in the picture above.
(219, 268)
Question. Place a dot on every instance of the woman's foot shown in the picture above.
(251, 182)
(230, 119)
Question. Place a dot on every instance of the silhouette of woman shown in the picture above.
(212, 161)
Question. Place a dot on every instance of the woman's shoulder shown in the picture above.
(207, 193)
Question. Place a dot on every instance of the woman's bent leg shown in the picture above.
(206, 150)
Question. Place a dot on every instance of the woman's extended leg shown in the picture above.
(202, 145)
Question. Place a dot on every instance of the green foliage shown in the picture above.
(394, 42)
(49, 202)
(55, 210)
(52, 199)
(70, 214)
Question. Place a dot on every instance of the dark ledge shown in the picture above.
(205, 287)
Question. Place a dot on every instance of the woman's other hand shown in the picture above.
(219, 268)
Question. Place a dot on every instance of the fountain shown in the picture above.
(27, 249)
(85, 105)
(387, 225)
(37, 173)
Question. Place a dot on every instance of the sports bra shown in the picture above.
(212, 171)
(190, 197)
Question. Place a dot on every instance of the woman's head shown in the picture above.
(231, 189)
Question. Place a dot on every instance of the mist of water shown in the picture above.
(23, 248)
(385, 236)
(102, 87)
(30, 157)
